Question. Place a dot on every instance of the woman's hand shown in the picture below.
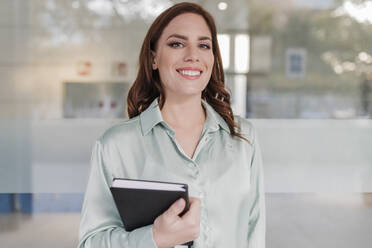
(170, 230)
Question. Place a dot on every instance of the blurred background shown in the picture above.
(301, 70)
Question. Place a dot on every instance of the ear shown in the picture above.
(154, 63)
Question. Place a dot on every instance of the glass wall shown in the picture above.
(300, 70)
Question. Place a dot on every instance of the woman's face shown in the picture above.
(184, 56)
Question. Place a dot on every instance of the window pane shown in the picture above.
(224, 43)
(238, 87)
(242, 53)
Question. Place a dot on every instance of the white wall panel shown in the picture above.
(299, 155)
(317, 155)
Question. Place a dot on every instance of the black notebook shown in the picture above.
(140, 202)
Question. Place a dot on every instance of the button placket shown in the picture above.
(194, 170)
(196, 174)
(207, 231)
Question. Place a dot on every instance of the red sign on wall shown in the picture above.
(84, 68)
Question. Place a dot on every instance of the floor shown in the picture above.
(319, 220)
(293, 221)
(39, 230)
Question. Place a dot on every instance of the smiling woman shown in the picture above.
(181, 129)
(148, 84)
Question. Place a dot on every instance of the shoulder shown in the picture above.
(124, 130)
(246, 128)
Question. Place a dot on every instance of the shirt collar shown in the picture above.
(152, 116)
(214, 121)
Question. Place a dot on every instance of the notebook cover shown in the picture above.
(140, 207)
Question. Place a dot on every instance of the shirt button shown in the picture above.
(196, 174)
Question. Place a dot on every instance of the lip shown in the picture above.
(189, 69)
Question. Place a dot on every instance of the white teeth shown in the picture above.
(189, 72)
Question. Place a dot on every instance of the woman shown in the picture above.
(181, 129)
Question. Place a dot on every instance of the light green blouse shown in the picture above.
(225, 173)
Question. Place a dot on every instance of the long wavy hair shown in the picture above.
(147, 85)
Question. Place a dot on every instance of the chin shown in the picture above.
(186, 89)
(189, 93)
(192, 91)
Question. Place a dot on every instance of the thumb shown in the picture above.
(175, 209)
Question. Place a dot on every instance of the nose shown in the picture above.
(191, 54)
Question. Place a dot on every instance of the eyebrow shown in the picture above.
(185, 38)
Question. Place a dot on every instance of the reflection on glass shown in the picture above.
(239, 93)
(44, 42)
(296, 62)
(321, 60)
(224, 43)
(241, 53)
(359, 11)
(129, 10)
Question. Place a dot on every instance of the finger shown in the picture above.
(174, 210)
(194, 199)
(194, 210)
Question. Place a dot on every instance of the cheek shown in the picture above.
(210, 62)
(165, 66)
(166, 77)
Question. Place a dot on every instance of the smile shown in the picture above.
(190, 73)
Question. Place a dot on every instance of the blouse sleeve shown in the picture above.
(100, 224)
(257, 215)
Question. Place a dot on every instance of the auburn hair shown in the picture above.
(147, 85)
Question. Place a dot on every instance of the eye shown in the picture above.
(205, 46)
(175, 44)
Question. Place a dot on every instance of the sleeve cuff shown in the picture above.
(142, 238)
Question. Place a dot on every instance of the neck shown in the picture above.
(185, 112)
